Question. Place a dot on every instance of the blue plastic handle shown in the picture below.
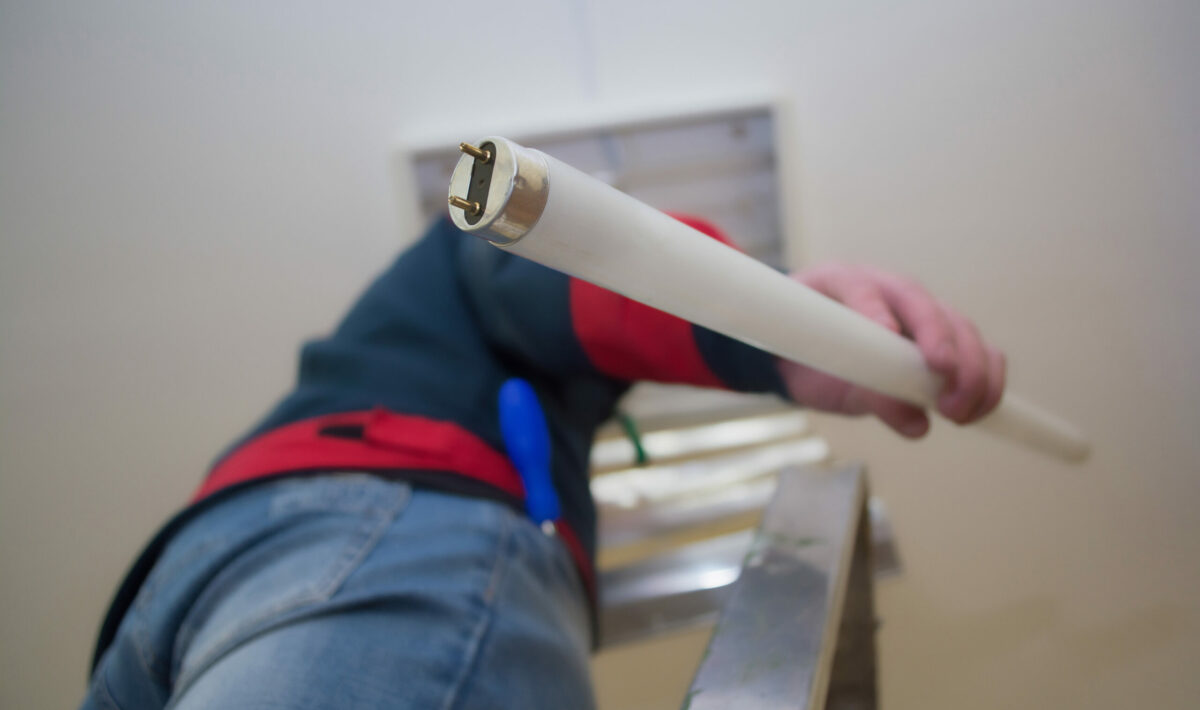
(523, 426)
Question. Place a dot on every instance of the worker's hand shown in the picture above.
(952, 346)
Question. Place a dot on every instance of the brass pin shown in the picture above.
(479, 154)
(471, 208)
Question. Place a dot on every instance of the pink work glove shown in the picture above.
(973, 370)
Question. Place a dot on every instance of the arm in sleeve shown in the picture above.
(438, 331)
(567, 327)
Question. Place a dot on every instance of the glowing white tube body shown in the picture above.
(594, 232)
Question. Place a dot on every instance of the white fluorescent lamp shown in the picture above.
(540, 208)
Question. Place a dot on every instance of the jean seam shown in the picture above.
(471, 655)
(366, 537)
(314, 590)
(103, 692)
(141, 648)
(153, 663)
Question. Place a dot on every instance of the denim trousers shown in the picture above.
(351, 591)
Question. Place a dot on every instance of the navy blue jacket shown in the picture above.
(406, 386)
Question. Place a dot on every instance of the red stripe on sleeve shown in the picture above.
(632, 341)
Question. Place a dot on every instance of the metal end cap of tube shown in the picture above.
(499, 198)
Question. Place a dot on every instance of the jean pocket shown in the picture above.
(312, 535)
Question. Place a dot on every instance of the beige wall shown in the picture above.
(185, 192)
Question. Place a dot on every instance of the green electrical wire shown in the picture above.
(635, 438)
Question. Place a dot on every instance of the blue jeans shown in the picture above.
(350, 591)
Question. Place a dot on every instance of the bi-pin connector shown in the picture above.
(481, 177)
(498, 189)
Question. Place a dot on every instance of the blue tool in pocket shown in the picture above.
(527, 439)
